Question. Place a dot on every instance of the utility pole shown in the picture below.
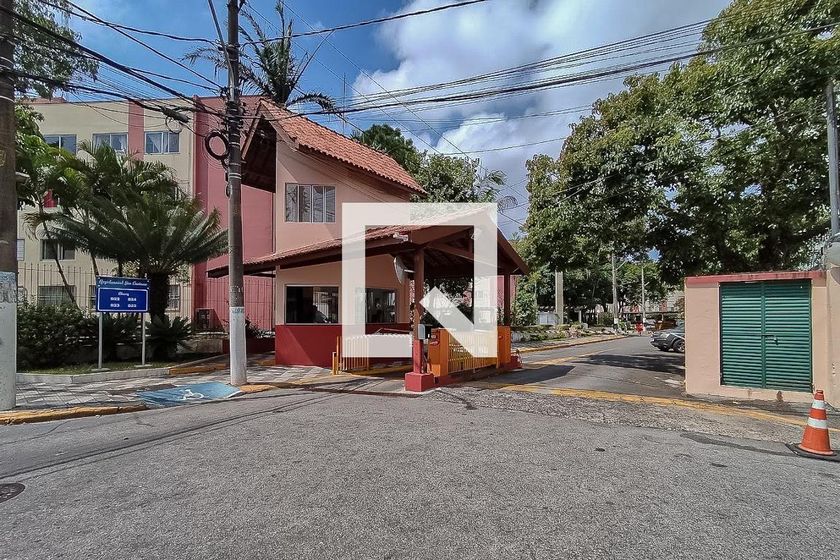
(559, 305)
(238, 356)
(615, 292)
(8, 214)
(831, 118)
(643, 294)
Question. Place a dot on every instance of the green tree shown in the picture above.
(39, 54)
(45, 168)
(269, 66)
(457, 179)
(391, 141)
(719, 165)
(156, 232)
(105, 174)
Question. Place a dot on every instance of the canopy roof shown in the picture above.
(448, 252)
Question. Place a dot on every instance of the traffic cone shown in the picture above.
(815, 439)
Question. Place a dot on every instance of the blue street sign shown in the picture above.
(122, 295)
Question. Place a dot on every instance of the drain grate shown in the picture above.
(9, 491)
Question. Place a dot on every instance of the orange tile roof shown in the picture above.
(312, 136)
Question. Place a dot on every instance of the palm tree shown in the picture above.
(158, 232)
(47, 170)
(105, 174)
(269, 67)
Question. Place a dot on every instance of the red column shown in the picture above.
(418, 379)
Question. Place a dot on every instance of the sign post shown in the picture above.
(122, 295)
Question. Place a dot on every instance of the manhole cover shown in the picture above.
(9, 491)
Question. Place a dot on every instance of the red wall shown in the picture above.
(313, 345)
(257, 226)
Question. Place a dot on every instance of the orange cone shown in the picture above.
(815, 439)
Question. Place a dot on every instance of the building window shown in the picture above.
(310, 203)
(162, 142)
(311, 304)
(55, 295)
(381, 306)
(51, 250)
(21, 249)
(174, 301)
(117, 140)
(91, 297)
(63, 141)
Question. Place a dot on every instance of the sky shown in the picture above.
(420, 50)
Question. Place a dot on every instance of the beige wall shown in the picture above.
(296, 167)
(83, 121)
(702, 354)
(379, 273)
(832, 358)
(182, 162)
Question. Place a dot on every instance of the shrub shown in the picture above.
(48, 335)
(116, 329)
(164, 336)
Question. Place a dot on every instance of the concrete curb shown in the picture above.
(529, 349)
(41, 415)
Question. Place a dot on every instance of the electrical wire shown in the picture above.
(100, 57)
(366, 22)
(148, 46)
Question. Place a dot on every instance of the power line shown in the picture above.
(100, 57)
(433, 148)
(575, 79)
(365, 22)
(96, 19)
(146, 45)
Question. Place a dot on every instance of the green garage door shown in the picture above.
(765, 334)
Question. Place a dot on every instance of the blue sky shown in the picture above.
(421, 50)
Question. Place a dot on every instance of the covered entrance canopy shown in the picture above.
(433, 252)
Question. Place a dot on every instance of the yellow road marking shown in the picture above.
(639, 399)
(558, 361)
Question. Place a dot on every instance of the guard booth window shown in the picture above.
(311, 304)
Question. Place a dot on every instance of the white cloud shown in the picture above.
(461, 42)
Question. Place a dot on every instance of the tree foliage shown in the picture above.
(269, 66)
(39, 54)
(391, 141)
(157, 232)
(719, 164)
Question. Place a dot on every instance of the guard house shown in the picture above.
(312, 171)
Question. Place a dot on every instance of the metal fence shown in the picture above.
(46, 284)
(259, 300)
(43, 283)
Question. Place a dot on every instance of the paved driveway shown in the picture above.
(629, 365)
(295, 475)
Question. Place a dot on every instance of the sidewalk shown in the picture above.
(33, 396)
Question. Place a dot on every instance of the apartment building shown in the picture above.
(147, 134)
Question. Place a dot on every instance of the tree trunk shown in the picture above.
(158, 294)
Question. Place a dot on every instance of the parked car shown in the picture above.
(669, 339)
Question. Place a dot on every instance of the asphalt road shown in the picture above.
(311, 475)
(629, 365)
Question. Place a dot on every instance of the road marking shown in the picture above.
(558, 361)
(639, 399)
